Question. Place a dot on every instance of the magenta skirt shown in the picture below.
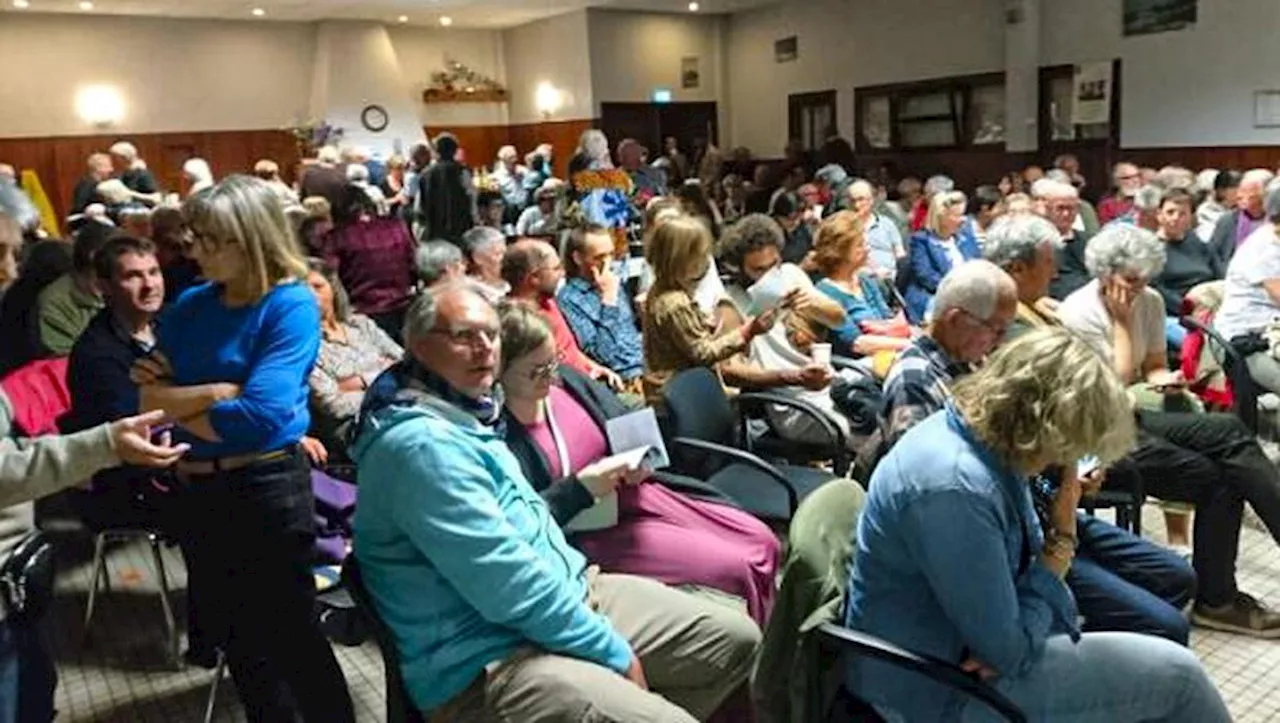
(678, 540)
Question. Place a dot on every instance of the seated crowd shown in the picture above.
(468, 346)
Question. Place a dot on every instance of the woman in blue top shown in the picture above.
(231, 370)
(951, 560)
(945, 241)
(840, 256)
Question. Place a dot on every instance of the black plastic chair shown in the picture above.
(774, 445)
(1244, 390)
(851, 642)
(1123, 491)
(400, 707)
(702, 430)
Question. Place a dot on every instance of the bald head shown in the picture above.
(532, 268)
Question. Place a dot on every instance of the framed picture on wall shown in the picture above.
(1266, 109)
(786, 50)
(1143, 17)
(689, 75)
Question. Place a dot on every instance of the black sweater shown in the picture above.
(1189, 262)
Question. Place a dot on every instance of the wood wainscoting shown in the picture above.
(60, 160)
(481, 143)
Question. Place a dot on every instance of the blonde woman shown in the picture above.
(678, 333)
(231, 369)
(944, 242)
(951, 560)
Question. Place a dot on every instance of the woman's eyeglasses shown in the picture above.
(547, 371)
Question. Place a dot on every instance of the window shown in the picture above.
(811, 118)
(959, 112)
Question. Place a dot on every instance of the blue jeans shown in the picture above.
(1108, 677)
(1174, 333)
(1124, 583)
(27, 674)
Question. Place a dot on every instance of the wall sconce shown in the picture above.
(100, 105)
(547, 99)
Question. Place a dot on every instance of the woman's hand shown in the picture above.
(152, 369)
(1167, 382)
(602, 477)
(1065, 502)
(814, 377)
(1119, 299)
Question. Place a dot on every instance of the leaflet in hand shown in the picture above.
(768, 291)
(637, 435)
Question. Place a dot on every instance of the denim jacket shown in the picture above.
(948, 564)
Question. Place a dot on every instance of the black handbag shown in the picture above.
(26, 578)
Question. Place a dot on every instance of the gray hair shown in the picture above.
(482, 237)
(1059, 175)
(1120, 248)
(433, 258)
(15, 204)
(861, 185)
(328, 154)
(974, 286)
(358, 173)
(1260, 176)
(1272, 202)
(198, 170)
(1017, 239)
(938, 184)
(831, 174)
(125, 150)
(1148, 198)
(1049, 188)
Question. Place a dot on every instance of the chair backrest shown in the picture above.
(697, 407)
(400, 707)
(39, 395)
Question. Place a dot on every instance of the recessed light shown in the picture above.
(693, 7)
(86, 5)
(403, 18)
(259, 12)
(446, 21)
(21, 4)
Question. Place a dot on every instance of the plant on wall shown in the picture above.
(459, 83)
(311, 135)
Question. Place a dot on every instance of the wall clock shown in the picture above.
(374, 118)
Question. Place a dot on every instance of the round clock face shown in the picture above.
(374, 118)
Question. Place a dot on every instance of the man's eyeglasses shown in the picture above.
(474, 338)
(995, 328)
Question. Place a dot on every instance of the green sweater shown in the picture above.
(65, 310)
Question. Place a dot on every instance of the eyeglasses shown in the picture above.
(544, 372)
(998, 329)
(471, 337)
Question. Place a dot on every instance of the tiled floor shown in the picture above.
(121, 675)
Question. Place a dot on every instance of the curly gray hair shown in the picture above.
(1124, 249)
(1017, 239)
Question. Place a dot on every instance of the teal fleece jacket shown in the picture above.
(460, 555)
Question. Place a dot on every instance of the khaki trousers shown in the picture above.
(695, 653)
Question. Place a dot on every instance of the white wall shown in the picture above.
(175, 75)
(556, 51)
(198, 75)
(1190, 88)
(848, 43)
(633, 53)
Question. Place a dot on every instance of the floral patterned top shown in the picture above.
(366, 352)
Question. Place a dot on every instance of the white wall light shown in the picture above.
(547, 99)
(100, 105)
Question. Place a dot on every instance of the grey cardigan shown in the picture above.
(33, 468)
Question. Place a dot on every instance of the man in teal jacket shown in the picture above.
(494, 614)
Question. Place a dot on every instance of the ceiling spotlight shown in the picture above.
(259, 12)
(404, 18)
(86, 5)
(693, 7)
(21, 4)
(446, 21)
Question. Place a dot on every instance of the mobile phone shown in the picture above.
(1086, 466)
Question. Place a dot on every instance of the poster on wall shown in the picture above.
(1091, 93)
(689, 75)
(1143, 17)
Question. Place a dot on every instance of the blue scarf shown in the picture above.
(404, 382)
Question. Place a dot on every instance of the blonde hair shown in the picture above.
(1048, 398)
(938, 208)
(676, 247)
(838, 236)
(243, 210)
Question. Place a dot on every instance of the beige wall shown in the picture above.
(422, 53)
(555, 51)
(634, 53)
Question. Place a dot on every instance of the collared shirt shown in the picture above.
(605, 333)
(919, 384)
(884, 242)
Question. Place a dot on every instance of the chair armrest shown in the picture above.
(1193, 324)
(940, 671)
(835, 435)
(692, 485)
(746, 458)
(1244, 388)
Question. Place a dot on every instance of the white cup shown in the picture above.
(821, 354)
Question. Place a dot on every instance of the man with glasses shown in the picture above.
(495, 615)
(884, 241)
(1127, 180)
(1060, 204)
(536, 275)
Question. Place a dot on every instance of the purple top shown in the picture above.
(1245, 226)
(374, 259)
(580, 435)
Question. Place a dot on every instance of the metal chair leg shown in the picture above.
(99, 574)
(218, 672)
(165, 603)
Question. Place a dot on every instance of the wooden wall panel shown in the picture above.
(60, 161)
(481, 143)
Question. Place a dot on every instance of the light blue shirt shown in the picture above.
(947, 563)
(884, 241)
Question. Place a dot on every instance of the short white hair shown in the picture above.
(358, 173)
(508, 153)
(197, 169)
(1260, 176)
(860, 185)
(1121, 248)
(1045, 188)
(938, 184)
(482, 237)
(328, 154)
(433, 259)
(1205, 180)
(1148, 198)
(976, 287)
(125, 150)
(1018, 238)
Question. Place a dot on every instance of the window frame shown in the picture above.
(962, 117)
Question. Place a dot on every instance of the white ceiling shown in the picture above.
(464, 13)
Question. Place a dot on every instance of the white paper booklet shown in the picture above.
(638, 433)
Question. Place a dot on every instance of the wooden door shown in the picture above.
(811, 118)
